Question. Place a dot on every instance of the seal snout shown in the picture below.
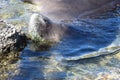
(37, 24)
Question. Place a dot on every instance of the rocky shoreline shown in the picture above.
(11, 39)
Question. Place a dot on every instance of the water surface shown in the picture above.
(65, 61)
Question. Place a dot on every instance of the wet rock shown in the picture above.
(11, 39)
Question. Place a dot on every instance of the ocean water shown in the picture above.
(65, 60)
(89, 52)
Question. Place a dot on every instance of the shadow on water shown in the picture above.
(31, 66)
(38, 66)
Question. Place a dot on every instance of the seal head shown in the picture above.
(42, 28)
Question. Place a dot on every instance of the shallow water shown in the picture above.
(64, 61)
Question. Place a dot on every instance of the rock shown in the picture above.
(11, 39)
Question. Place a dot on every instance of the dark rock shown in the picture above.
(10, 38)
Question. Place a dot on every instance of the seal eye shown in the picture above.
(41, 35)
(45, 20)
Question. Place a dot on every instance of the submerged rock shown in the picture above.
(11, 39)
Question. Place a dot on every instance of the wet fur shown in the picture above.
(46, 29)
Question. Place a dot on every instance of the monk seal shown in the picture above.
(46, 28)
(82, 38)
